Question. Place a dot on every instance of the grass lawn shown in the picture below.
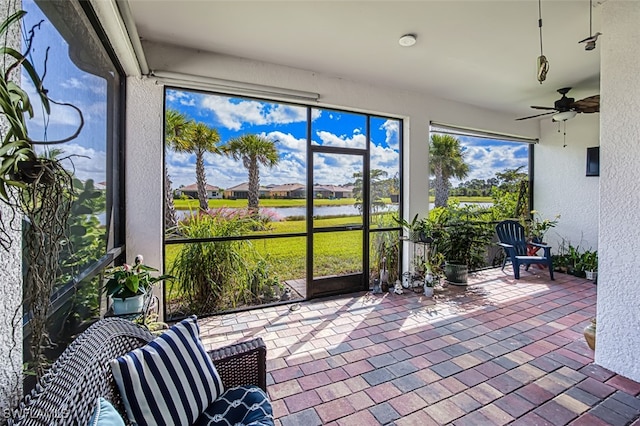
(335, 253)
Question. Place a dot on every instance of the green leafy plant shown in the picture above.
(589, 260)
(131, 280)
(217, 275)
(415, 229)
(461, 234)
(539, 226)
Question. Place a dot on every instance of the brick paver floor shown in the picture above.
(498, 351)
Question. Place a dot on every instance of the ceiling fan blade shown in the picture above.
(587, 105)
(541, 107)
(538, 115)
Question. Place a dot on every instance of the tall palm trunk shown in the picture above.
(201, 180)
(170, 219)
(251, 163)
(442, 188)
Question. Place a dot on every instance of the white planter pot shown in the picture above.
(591, 275)
(428, 291)
(130, 305)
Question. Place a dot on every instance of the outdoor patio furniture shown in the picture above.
(68, 392)
(514, 242)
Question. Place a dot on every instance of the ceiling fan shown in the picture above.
(566, 108)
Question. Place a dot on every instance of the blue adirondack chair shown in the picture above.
(514, 242)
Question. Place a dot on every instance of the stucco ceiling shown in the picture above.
(477, 52)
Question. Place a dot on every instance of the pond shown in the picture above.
(281, 213)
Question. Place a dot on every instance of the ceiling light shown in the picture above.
(564, 116)
(407, 40)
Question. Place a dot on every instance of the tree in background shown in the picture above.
(511, 193)
(254, 151)
(174, 125)
(446, 160)
(198, 138)
(379, 188)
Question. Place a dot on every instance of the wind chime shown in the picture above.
(543, 63)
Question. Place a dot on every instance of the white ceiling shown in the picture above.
(477, 52)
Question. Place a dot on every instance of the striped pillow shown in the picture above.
(171, 380)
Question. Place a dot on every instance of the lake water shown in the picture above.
(284, 212)
(344, 210)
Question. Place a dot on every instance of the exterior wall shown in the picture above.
(618, 331)
(144, 172)
(10, 278)
(554, 167)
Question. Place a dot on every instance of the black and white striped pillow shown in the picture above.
(171, 380)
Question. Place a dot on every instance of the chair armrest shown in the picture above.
(538, 245)
(505, 245)
(242, 363)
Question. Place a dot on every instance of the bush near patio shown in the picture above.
(218, 275)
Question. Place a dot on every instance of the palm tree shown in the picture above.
(174, 124)
(198, 138)
(253, 150)
(446, 160)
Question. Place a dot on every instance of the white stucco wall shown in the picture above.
(618, 330)
(10, 278)
(143, 171)
(560, 184)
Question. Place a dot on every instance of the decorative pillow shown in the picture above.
(105, 415)
(244, 405)
(171, 380)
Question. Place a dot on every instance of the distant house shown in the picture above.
(288, 190)
(333, 191)
(242, 192)
(191, 191)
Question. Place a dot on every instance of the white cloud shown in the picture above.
(233, 115)
(329, 139)
(385, 158)
(485, 161)
(86, 163)
(392, 133)
(286, 141)
(88, 82)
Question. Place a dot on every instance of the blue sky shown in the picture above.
(67, 83)
(286, 125)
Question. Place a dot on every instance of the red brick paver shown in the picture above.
(498, 351)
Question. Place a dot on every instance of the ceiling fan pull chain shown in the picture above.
(564, 138)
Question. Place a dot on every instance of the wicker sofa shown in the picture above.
(67, 394)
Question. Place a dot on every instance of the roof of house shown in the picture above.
(194, 187)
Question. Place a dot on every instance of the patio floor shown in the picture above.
(495, 352)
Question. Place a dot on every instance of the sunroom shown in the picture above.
(472, 67)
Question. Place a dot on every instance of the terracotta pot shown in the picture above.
(590, 334)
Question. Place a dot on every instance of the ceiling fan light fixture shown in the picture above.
(407, 40)
(563, 116)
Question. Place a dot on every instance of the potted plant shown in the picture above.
(412, 228)
(539, 226)
(433, 271)
(589, 263)
(128, 286)
(463, 237)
